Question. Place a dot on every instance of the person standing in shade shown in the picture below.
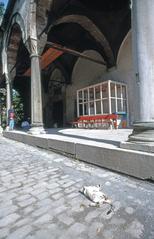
(11, 116)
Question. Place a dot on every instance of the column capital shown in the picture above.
(35, 55)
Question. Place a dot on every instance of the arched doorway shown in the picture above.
(55, 98)
(18, 60)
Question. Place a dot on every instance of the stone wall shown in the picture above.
(87, 73)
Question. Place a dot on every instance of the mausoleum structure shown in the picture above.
(53, 49)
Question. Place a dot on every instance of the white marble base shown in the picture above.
(7, 128)
(1, 129)
(36, 130)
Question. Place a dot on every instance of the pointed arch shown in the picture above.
(93, 30)
(16, 19)
(128, 35)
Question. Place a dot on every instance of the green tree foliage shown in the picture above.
(2, 9)
(3, 107)
(17, 104)
(18, 107)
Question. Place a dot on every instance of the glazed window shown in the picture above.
(105, 98)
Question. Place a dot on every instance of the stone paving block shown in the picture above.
(54, 233)
(95, 230)
(27, 202)
(69, 216)
(58, 203)
(73, 195)
(6, 203)
(42, 195)
(23, 197)
(59, 210)
(23, 222)
(7, 210)
(46, 218)
(30, 237)
(53, 185)
(92, 214)
(57, 196)
(66, 219)
(41, 210)
(55, 190)
(9, 219)
(40, 185)
(20, 233)
(10, 195)
(28, 210)
(70, 190)
(2, 189)
(26, 189)
(64, 176)
(4, 232)
(36, 192)
(64, 181)
(44, 202)
(66, 185)
(75, 230)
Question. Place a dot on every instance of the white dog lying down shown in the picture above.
(96, 196)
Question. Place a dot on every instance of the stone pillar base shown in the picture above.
(143, 132)
(7, 128)
(142, 138)
(36, 130)
(139, 146)
(1, 129)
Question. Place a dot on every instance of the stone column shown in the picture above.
(36, 97)
(8, 96)
(1, 129)
(36, 91)
(143, 52)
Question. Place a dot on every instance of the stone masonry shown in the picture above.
(40, 199)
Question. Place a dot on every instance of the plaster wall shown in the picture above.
(23, 8)
(124, 72)
(87, 73)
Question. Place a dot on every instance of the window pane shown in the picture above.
(113, 105)
(124, 92)
(125, 106)
(105, 107)
(97, 92)
(118, 91)
(80, 109)
(112, 90)
(104, 90)
(85, 95)
(91, 93)
(80, 96)
(119, 105)
(92, 108)
(85, 109)
(98, 107)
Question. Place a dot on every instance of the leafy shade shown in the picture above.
(18, 107)
(2, 9)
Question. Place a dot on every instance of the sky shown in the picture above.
(4, 1)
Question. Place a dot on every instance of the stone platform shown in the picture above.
(98, 147)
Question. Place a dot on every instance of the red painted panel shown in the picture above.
(47, 58)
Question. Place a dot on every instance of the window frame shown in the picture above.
(109, 98)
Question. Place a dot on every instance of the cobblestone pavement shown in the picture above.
(40, 199)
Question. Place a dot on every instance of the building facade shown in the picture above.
(51, 49)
